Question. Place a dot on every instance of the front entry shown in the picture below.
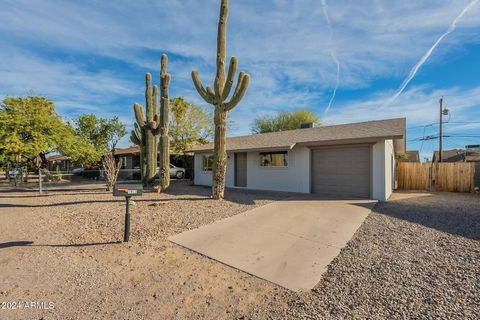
(241, 169)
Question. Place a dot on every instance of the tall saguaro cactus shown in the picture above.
(145, 132)
(218, 96)
(164, 170)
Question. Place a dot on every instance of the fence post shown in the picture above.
(40, 185)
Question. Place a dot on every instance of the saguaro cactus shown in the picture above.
(145, 132)
(218, 96)
(164, 170)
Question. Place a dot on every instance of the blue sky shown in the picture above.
(92, 56)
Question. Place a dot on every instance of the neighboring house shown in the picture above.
(470, 154)
(63, 163)
(350, 160)
(410, 156)
(454, 155)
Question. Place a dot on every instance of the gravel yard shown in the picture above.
(416, 256)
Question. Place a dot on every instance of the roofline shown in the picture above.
(310, 144)
(393, 137)
(286, 147)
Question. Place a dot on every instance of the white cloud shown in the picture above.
(284, 45)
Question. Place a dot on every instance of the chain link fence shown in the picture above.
(42, 180)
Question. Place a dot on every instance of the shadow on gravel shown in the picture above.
(77, 244)
(72, 203)
(15, 244)
(30, 244)
(446, 213)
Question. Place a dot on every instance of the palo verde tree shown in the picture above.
(190, 125)
(103, 134)
(163, 145)
(218, 97)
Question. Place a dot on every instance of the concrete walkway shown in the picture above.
(288, 242)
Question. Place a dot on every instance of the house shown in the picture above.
(410, 156)
(470, 154)
(60, 162)
(454, 155)
(349, 160)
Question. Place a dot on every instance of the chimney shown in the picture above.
(307, 125)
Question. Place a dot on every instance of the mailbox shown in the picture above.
(127, 190)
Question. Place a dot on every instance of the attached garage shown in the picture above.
(341, 171)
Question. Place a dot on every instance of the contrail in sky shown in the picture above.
(425, 57)
(332, 53)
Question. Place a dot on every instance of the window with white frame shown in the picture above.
(274, 159)
(207, 162)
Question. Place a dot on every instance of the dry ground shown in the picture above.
(416, 256)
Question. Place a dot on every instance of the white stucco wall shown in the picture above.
(296, 177)
(389, 168)
(383, 171)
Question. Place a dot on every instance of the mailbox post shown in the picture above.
(127, 191)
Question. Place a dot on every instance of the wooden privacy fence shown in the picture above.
(453, 177)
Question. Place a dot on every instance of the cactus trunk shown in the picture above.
(217, 97)
(164, 168)
(220, 155)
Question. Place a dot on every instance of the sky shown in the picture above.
(347, 61)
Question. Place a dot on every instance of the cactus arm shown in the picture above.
(242, 86)
(232, 69)
(211, 93)
(135, 138)
(219, 83)
(139, 114)
(138, 131)
(149, 97)
(200, 89)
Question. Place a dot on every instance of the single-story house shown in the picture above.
(60, 162)
(349, 160)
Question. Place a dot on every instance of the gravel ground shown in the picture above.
(416, 256)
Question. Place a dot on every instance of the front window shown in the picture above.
(208, 163)
(274, 159)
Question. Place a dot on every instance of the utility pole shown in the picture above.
(440, 151)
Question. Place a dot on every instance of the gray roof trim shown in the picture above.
(371, 130)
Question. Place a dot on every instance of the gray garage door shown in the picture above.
(342, 172)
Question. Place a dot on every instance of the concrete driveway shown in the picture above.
(289, 242)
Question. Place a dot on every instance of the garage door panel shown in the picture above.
(341, 171)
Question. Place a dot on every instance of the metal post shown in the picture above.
(40, 185)
(126, 234)
(440, 149)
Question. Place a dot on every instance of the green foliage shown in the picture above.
(286, 120)
(94, 136)
(30, 127)
(190, 125)
(102, 134)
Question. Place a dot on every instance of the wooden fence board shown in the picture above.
(453, 177)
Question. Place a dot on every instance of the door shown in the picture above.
(241, 169)
(341, 172)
